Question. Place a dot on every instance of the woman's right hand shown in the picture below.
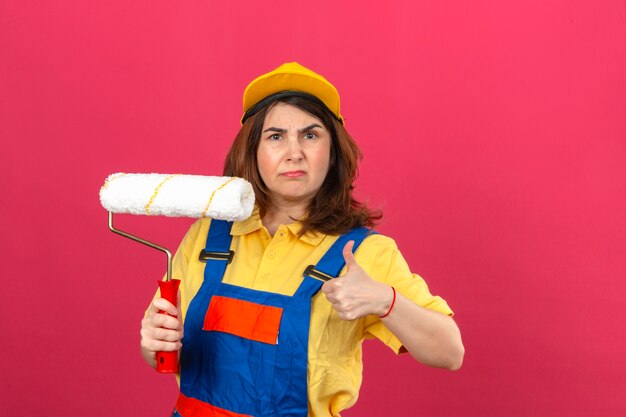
(161, 330)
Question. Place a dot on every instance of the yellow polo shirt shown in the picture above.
(275, 264)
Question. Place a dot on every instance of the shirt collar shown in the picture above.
(249, 225)
(312, 238)
(253, 223)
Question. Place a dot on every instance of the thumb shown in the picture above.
(348, 256)
(178, 310)
(179, 313)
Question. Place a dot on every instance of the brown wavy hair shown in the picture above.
(333, 210)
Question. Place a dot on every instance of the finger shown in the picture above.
(168, 322)
(348, 256)
(160, 320)
(329, 287)
(165, 335)
(162, 304)
(160, 346)
(160, 334)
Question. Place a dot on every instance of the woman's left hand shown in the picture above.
(355, 294)
(430, 337)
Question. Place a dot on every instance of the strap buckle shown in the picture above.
(216, 256)
(314, 273)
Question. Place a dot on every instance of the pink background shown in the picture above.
(494, 136)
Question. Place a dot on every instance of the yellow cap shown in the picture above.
(290, 77)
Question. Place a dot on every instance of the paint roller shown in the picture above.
(196, 196)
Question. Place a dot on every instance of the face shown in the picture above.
(293, 154)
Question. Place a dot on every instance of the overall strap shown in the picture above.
(216, 253)
(331, 263)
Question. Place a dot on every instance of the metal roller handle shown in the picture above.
(167, 362)
(145, 242)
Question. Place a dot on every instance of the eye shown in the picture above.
(275, 136)
(310, 135)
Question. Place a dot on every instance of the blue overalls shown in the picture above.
(245, 351)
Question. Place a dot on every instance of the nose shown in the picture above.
(294, 150)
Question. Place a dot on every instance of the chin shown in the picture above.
(295, 197)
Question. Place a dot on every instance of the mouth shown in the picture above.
(293, 174)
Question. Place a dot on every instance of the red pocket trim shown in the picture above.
(191, 407)
(243, 318)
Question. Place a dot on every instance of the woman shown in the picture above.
(276, 330)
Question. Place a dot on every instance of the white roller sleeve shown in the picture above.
(224, 198)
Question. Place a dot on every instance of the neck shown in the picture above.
(282, 213)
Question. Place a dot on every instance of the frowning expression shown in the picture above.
(293, 154)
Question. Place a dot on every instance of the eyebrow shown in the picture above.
(304, 129)
(309, 127)
(275, 129)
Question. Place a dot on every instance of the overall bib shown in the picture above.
(245, 351)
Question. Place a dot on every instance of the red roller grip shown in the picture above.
(167, 362)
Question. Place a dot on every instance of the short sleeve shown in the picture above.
(381, 259)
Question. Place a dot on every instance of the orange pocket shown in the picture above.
(243, 318)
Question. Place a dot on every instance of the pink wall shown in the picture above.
(494, 136)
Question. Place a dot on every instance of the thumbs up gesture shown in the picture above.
(355, 294)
